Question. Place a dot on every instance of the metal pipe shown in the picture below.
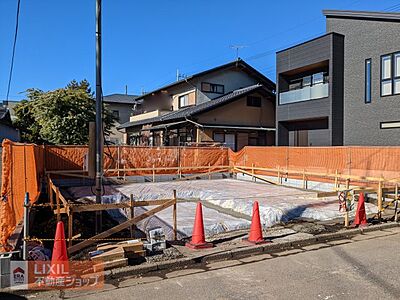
(99, 121)
(26, 227)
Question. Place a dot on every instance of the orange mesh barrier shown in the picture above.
(375, 162)
(24, 165)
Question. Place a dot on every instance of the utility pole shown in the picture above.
(99, 119)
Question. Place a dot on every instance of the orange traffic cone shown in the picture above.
(361, 216)
(59, 259)
(198, 238)
(255, 235)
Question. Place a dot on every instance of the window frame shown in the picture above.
(250, 103)
(393, 76)
(368, 88)
(179, 100)
(115, 114)
(213, 88)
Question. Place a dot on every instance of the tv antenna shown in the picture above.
(237, 48)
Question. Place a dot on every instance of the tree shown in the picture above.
(61, 116)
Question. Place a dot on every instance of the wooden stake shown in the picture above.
(346, 219)
(118, 161)
(396, 195)
(174, 217)
(279, 176)
(70, 227)
(347, 183)
(336, 179)
(380, 200)
(58, 204)
(154, 174)
(132, 215)
(252, 172)
(209, 171)
(304, 179)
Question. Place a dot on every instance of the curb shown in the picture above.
(180, 263)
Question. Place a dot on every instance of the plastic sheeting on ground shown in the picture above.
(233, 198)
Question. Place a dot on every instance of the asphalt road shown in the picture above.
(365, 267)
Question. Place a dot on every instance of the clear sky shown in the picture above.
(145, 42)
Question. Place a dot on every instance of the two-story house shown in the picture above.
(122, 107)
(342, 88)
(232, 104)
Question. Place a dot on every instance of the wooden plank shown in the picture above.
(70, 228)
(118, 263)
(132, 212)
(256, 176)
(175, 218)
(120, 227)
(58, 204)
(203, 174)
(107, 206)
(63, 210)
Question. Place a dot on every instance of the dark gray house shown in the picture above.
(342, 88)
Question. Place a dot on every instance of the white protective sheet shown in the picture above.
(277, 203)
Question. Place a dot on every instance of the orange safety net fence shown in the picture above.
(24, 166)
(366, 162)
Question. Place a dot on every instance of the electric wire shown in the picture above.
(13, 51)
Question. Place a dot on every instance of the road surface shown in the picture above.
(365, 267)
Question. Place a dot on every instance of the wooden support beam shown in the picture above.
(380, 194)
(239, 170)
(174, 217)
(106, 206)
(396, 209)
(70, 228)
(119, 227)
(203, 174)
(58, 204)
(132, 214)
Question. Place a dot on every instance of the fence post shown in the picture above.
(58, 204)
(132, 214)
(70, 226)
(209, 171)
(396, 193)
(380, 200)
(154, 174)
(174, 217)
(26, 227)
(252, 172)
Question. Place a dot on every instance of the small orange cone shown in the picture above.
(255, 235)
(198, 238)
(59, 259)
(361, 216)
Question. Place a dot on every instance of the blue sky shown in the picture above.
(145, 42)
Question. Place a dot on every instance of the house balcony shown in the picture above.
(148, 115)
(304, 94)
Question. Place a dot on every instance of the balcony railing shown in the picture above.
(305, 94)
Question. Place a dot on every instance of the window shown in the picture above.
(116, 114)
(253, 101)
(367, 97)
(390, 125)
(212, 88)
(183, 100)
(390, 74)
(307, 81)
(318, 78)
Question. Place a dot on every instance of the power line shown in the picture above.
(393, 7)
(13, 51)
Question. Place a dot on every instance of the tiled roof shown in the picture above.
(193, 110)
(120, 98)
(236, 63)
